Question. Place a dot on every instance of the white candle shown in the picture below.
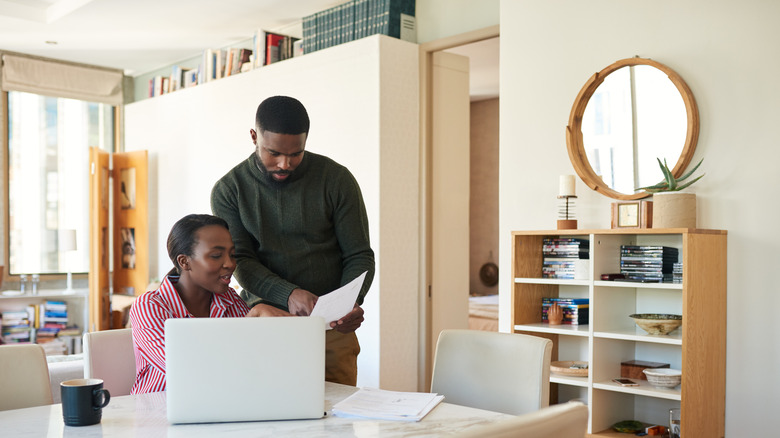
(566, 187)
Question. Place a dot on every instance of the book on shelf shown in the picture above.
(356, 19)
(178, 77)
(190, 78)
(566, 268)
(648, 263)
(575, 310)
(16, 326)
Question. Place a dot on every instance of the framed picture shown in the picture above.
(632, 214)
(127, 188)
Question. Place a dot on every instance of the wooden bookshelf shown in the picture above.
(698, 348)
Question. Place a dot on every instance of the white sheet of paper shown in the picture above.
(333, 305)
(387, 405)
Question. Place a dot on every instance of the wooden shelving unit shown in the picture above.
(698, 348)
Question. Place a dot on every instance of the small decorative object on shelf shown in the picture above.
(633, 369)
(657, 323)
(554, 314)
(566, 195)
(673, 209)
(67, 246)
(629, 426)
(632, 214)
(663, 377)
(570, 368)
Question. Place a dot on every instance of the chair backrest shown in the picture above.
(24, 377)
(501, 372)
(567, 420)
(109, 355)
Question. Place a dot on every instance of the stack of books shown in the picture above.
(215, 64)
(575, 310)
(648, 264)
(356, 19)
(565, 258)
(270, 47)
(55, 315)
(16, 327)
(677, 273)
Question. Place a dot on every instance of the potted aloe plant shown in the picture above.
(671, 207)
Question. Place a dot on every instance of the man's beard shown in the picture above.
(269, 175)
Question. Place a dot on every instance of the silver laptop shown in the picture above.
(244, 369)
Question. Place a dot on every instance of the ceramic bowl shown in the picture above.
(663, 377)
(657, 323)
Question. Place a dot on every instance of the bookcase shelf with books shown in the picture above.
(55, 319)
(697, 348)
(349, 21)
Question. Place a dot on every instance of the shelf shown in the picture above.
(46, 294)
(639, 335)
(697, 348)
(637, 285)
(644, 389)
(569, 380)
(563, 329)
(558, 281)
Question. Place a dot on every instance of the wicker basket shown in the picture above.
(570, 368)
(663, 377)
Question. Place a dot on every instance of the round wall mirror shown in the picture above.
(626, 117)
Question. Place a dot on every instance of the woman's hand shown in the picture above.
(266, 310)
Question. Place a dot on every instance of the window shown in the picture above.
(48, 179)
(52, 112)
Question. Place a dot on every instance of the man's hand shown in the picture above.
(349, 322)
(301, 302)
(266, 310)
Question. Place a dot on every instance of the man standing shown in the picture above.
(299, 225)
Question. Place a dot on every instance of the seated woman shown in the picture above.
(202, 250)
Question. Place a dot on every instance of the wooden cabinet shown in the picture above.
(698, 347)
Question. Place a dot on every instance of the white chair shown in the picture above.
(24, 377)
(109, 355)
(501, 372)
(567, 420)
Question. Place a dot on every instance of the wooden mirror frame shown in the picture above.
(574, 141)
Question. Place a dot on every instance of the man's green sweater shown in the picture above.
(309, 232)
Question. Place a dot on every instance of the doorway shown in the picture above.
(446, 306)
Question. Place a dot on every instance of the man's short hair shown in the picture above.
(282, 115)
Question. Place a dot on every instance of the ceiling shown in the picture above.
(140, 36)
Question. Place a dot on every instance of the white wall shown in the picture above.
(725, 51)
(442, 18)
(365, 120)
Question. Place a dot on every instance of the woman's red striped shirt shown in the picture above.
(147, 317)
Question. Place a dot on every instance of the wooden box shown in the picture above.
(632, 369)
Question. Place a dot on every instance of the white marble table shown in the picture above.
(144, 415)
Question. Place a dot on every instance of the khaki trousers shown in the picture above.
(341, 351)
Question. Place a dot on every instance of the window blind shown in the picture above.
(52, 78)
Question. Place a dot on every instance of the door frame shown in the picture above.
(426, 145)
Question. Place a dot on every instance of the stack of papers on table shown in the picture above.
(387, 405)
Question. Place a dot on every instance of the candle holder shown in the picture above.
(566, 197)
(566, 217)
